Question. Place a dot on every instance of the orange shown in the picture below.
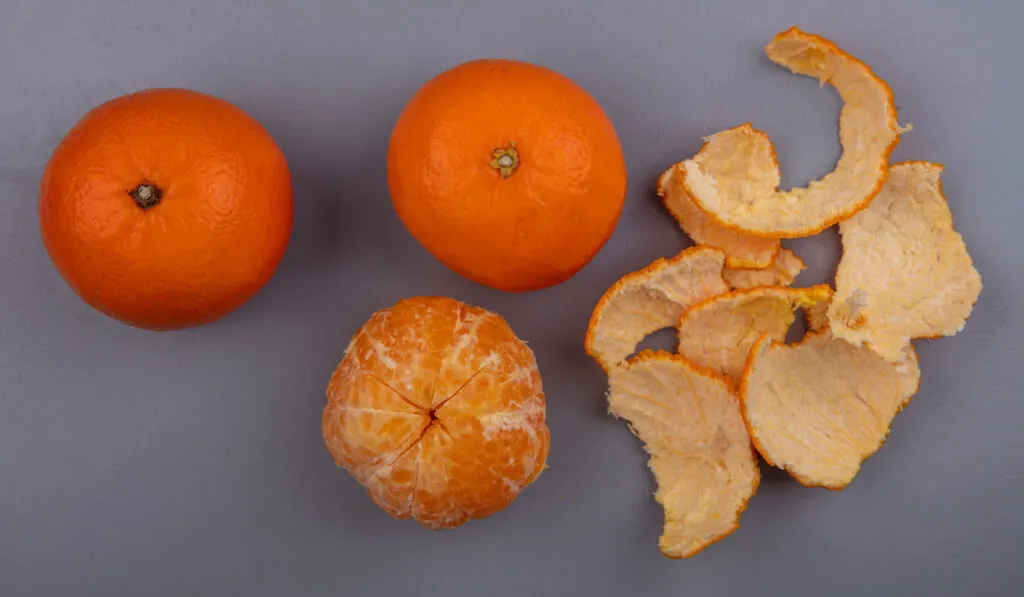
(166, 208)
(507, 172)
(438, 410)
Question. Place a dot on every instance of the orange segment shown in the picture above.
(438, 409)
(403, 346)
(471, 470)
(358, 388)
(648, 300)
(905, 272)
(700, 453)
(393, 482)
(741, 250)
(727, 178)
(488, 362)
(361, 438)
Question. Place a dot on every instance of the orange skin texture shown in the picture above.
(553, 213)
(438, 410)
(214, 239)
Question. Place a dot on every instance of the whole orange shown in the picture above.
(509, 173)
(166, 208)
(438, 410)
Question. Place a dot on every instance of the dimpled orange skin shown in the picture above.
(552, 213)
(216, 235)
(438, 410)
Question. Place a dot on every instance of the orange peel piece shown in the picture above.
(727, 177)
(905, 272)
(821, 407)
(741, 250)
(718, 333)
(650, 299)
(782, 272)
(700, 452)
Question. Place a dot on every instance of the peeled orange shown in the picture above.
(438, 410)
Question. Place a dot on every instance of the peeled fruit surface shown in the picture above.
(741, 250)
(728, 177)
(820, 407)
(905, 272)
(650, 299)
(719, 332)
(438, 410)
(782, 272)
(700, 452)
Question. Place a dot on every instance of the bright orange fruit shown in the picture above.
(166, 208)
(438, 410)
(509, 173)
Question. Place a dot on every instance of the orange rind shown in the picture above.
(651, 299)
(718, 333)
(741, 250)
(819, 408)
(727, 179)
(690, 423)
(905, 272)
(782, 272)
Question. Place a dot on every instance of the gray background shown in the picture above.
(137, 463)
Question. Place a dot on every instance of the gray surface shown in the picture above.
(134, 463)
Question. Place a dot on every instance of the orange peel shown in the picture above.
(905, 272)
(728, 176)
(782, 272)
(741, 250)
(700, 452)
(820, 428)
(718, 333)
(651, 299)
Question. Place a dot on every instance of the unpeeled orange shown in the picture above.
(166, 208)
(438, 410)
(509, 173)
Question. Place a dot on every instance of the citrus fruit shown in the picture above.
(820, 407)
(783, 270)
(166, 208)
(700, 452)
(719, 332)
(437, 409)
(741, 250)
(650, 299)
(905, 272)
(725, 179)
(509, 173)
